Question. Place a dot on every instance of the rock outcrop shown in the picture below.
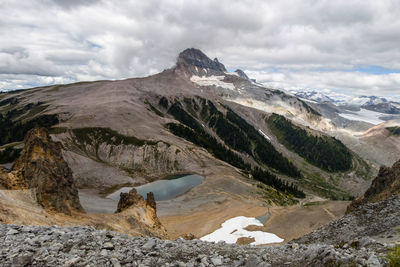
(195, 62)
(127, 200)
(242, 74)
(144, 210)
(42, 169)
(386, 184)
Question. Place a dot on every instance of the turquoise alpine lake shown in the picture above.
(163, 189)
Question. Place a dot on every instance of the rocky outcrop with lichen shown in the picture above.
(42, 169)
(386, 184)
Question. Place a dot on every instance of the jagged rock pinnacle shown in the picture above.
(42, 168)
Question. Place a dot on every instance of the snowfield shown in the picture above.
(364, 115)
(212, 81)
(233, 229)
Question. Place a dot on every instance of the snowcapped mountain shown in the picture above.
(315, 96)
(371, 103)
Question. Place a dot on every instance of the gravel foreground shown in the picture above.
(84, 246)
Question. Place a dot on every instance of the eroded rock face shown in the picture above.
(127, 200)
(386, 184)
(133, 204)
(42, 168)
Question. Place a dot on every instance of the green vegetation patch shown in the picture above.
(205, 140)
(176, 176)
(315, 182)
(264, 151)
(273, 181)
(9, 154)
(236, 133)
(393, 257)
(98, 135)
(109, 190)
(395, 130)
(14, 129)
(234, 136)
(154, 109)
(325, 152)
(11, 101)
(58, 130)
(95, 136)
(274, 196)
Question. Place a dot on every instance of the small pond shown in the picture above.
(163, 189)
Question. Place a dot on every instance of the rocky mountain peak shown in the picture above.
(42, 168)
(195, 62)
(242, 74)
(385, 185)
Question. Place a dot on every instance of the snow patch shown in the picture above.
(212, 81)
(364, 115)
(233, 229)
(231, 73)
(266, 136)
(307, 100)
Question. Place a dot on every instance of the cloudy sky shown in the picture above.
(342, 46)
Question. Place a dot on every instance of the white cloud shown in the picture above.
(341, 82)
(104, 39)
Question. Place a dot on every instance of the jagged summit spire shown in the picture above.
(196, 62)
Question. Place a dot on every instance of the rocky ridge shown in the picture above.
(386, 184)
(365, 226)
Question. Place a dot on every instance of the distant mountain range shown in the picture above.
(373, 103)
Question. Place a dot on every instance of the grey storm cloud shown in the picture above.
(288, 44)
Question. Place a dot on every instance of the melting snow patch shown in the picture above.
(364, 115)
(233, 229)
(212, 80)
(266, 136)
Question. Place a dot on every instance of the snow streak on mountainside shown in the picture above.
(212, 81)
